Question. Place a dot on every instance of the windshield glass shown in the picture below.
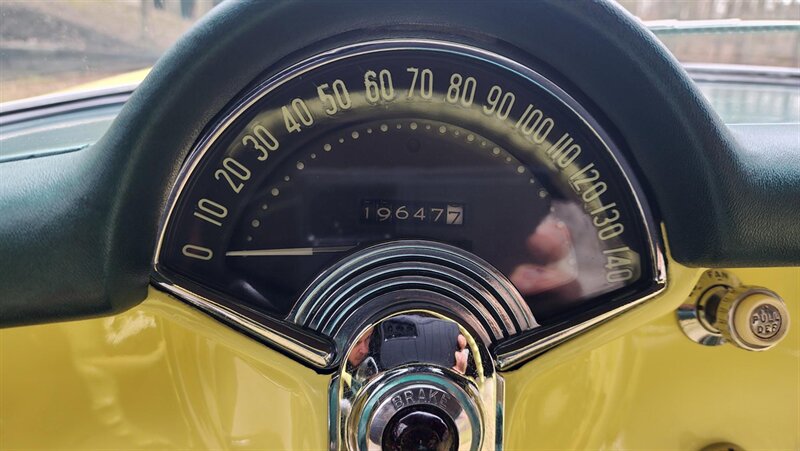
(749, 32)
(48, 46)
(55, 45)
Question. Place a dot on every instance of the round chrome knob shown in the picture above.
(751, 318)
(721, 310)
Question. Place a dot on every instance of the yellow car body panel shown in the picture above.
(164, 375)
(128, 78)
(159, 376)
(638, 382)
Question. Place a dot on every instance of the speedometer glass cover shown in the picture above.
(409, 140)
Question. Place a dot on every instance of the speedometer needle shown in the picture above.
(291, 251)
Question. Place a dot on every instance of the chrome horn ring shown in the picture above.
(416, 379)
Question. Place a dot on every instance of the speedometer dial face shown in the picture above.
(393, 142)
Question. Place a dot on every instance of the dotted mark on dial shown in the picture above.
(468, 138)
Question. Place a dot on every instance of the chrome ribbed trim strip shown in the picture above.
(324, 306)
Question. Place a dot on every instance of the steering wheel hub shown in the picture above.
(415, 380)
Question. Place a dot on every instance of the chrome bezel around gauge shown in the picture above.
(318, 350)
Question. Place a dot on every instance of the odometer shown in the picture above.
(408, 141)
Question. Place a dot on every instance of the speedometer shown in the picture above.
(408, 141)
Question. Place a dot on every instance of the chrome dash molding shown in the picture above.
(512, 359)
(58, 103)
(319, 358)
(296, 346)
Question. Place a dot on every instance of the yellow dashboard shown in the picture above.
(164, 375)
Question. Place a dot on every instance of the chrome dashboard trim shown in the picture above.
(322, 358)
(743, 74)
(59, 103)
(297, 345)
(511, 359)
(734, 25)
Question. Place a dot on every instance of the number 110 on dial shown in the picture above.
(378, 211)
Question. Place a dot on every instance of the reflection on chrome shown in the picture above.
(405, 339)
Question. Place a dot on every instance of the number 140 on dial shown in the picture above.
(377, 211)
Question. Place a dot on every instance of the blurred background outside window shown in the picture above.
(760, 48)
(52, 45)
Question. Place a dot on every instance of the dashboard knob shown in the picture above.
(751, 318)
